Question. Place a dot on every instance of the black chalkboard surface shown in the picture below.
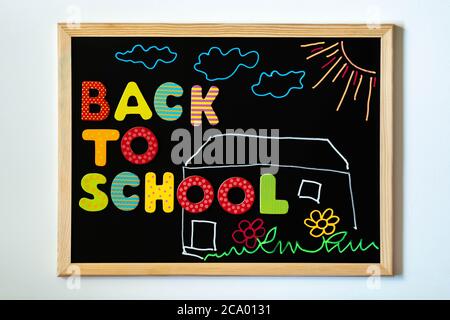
(215, 149)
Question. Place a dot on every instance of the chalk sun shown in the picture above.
(341, 67)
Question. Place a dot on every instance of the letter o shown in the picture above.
(208, 194)
(152, 145)
(244, 185)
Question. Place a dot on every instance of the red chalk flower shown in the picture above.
(248, 232)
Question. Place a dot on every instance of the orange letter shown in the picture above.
(199, 105)
(100, 137)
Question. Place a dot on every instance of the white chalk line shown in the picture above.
(347, 166)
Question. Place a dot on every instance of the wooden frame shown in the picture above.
(65, 32)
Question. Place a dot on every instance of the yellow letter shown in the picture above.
(123, 109)
(162, 192)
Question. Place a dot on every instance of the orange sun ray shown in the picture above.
(312, 44)
(368, 99)
(345, 91)
(322, 51)
(328, 72)
(339, 72)
(333, 53)
(357, 88)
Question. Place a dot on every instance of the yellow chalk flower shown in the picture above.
(321, 223)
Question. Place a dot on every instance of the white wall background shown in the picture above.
(28, 131)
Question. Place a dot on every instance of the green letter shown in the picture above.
(269, 204)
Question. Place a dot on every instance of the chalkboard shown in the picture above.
(240, 151)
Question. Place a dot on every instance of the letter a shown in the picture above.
(123, 109)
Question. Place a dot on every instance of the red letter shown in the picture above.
(244, 185)
(99, 99)
(208, 194)
(152, 145)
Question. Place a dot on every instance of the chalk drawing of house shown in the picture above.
(312, 174)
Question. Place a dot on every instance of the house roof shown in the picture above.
(308, 152)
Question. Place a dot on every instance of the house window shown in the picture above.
(203, 235)
(310, 190)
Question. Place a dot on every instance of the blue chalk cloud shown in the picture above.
(148, 57)
(217, 65)
(278, 85)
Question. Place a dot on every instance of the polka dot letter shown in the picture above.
(152, 148)
(99, 99)
(208, 194)
(242, 184)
